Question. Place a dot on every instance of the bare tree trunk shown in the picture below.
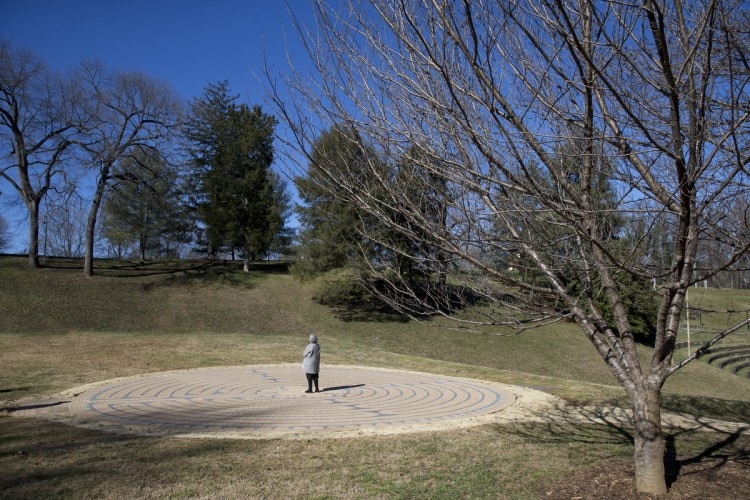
(246, 257)
(88, 261)
(33, 233)
(649, 444)
(142, 245)
(32, 198)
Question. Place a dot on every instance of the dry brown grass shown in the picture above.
(41, 459)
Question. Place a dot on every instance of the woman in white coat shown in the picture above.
(311, 363)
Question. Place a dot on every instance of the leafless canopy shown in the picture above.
(127, 114)
(37, 123)
(576, 141)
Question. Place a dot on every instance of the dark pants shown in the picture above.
(312, 377)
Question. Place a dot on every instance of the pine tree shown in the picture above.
(144, 209)
(204, 130)
(238, 197)
(329, 238)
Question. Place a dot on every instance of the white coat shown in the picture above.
(311, 358)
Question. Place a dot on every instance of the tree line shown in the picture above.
(116, 161)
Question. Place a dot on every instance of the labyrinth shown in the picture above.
(270, 401)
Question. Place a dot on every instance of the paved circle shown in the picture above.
(269, 401)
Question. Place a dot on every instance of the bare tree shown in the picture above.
(493, 93)
(127, 113)
(4, 239)
(36, 128)
(63, 226)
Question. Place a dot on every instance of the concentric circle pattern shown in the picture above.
(266, 401)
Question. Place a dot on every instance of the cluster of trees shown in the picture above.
(338, 234)
(116, 159)
(552, 157)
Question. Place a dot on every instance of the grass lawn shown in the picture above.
(59, 330)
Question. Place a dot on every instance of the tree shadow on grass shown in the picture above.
(704, 443)
(42, 459)
(372, 312)
(177, 272)
(723, 448)
(350, 301)
(734, 411)
(227, 273)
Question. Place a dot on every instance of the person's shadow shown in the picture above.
(341, 387)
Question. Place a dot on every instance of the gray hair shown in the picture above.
(314, 339)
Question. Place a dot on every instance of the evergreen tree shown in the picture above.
(238, 197)
(329, 237)
(144, 209)
(607, 225)
(427, 193)
(281, 242)
(204, 131)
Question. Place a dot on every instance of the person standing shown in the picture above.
(311, 363)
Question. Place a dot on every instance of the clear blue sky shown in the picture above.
(187, 43)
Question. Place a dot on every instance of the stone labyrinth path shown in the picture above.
(269, 401)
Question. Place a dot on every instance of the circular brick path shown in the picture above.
(270, 401)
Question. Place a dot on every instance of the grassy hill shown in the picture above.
(187, 314)
(59, 330)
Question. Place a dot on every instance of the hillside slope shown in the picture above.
(59, 329)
